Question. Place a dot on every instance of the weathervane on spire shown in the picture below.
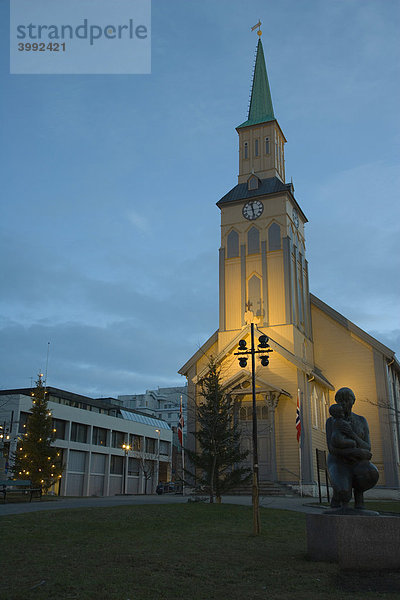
(259, 32)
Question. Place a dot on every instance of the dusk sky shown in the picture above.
(109, 229)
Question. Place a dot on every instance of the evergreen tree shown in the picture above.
(218, 437)
(35, 457)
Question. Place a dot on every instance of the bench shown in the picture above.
(21, 487)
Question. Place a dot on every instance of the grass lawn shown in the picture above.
(162, 552)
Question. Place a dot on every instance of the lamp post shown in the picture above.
(158, 432)
(126, 448)
(242, 352)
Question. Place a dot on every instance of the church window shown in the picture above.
(256, 147)
(254, 295)
(233, 244)
(274, 237)
(253, 241)
(314, 405)
(324, 410)
(267, 145)
(246, 150)
(252, 183)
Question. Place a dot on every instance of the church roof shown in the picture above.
(331, 312)
(260, 109)
(271, 185)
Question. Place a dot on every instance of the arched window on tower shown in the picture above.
(267, 145)
(256, 147)
(253, 241)
(274, 237)
(254, 295)
(232, 249)
(246, 150)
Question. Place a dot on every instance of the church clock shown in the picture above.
(252, 210)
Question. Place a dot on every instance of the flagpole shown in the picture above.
(300, 470)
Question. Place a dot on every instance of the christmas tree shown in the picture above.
(218, 454)
(35, 457)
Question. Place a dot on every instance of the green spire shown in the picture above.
(261, 109)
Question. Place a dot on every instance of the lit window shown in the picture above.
(254, 295)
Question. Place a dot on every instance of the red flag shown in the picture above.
(298, 419)
(181, 423)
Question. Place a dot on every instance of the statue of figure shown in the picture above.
(349, 446)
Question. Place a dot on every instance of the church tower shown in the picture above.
(263, 279)
(263, 268)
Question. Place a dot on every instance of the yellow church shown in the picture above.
(263, 278)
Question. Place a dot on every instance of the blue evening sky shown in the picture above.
(109, 228)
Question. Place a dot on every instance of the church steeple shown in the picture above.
(260, 109)
(261, 141)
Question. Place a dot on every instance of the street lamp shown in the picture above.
(126, 448)
(158, 432)
(242, 353)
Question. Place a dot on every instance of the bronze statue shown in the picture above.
(349, 446)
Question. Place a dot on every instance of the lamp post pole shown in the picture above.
(126, 448)
(255, 495)
(243, 350)
(158, 432)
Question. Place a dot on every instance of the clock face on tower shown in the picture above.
(253, 209)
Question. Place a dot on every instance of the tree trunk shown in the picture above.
(212, 479)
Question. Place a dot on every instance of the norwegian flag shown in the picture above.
(298, 419)
(181, 423)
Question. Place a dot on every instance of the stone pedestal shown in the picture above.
(355, 542)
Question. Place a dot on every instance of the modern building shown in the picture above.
(90, 435)
(162, 403)
(263, 279)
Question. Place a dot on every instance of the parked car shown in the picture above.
(165, 488)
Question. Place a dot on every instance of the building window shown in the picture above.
(117, 439)
(77, 461)
(267, 145)
(23, 421)
(254, 295)
(79, 433)
(136, 442)
(274, 237)
(324, 410)
(246, 150)
(233, 244)
(252, 183)
(314, 404)
(59, 429)
(150, 445)
(99, 437)
(253, 241)
(256, 147)
(164, 448)
(117, 465)
(133, 466)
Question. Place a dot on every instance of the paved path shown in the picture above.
(286, 503)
